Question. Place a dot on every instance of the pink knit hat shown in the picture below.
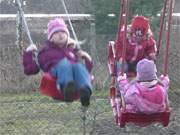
(146, 70)
(55, 25)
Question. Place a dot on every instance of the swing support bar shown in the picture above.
(166, 52)
(168, 39)
(161, 26)
(125, 18)
(70, 23)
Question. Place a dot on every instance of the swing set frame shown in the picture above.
(121, 115)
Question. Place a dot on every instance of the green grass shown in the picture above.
(34, 114)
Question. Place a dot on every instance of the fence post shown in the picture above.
(19, 34)
(93, 50)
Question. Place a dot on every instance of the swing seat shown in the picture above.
(48, 88)
(122, 116)
(142, 119)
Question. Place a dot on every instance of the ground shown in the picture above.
(33, 114)
(108, 127)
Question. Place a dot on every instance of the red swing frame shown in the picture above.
(121, 115)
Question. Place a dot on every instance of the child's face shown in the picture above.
(138, 38)
(59, 38)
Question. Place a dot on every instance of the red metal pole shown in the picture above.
(124, 36)
(120, 21)
(168, 39)
(121, 17)
(161, 26)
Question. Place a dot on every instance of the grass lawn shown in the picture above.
(34, 114)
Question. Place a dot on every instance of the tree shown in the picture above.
(108, 25)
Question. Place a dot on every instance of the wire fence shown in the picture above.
(13, 80)
(37, 115)
(27, 113)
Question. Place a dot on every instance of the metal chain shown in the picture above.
(24, 21)
(70, 23)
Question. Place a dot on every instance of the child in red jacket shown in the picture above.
(139, 43)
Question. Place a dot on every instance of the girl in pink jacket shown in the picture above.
(147, 94)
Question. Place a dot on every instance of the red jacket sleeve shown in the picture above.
(151, 46)
(88, 64)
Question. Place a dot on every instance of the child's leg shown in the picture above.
(81, 76)
(132, 66)
(63, 72)
(119, 66)
(83, 83)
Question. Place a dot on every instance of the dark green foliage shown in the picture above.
(146, 7)
(108, 25)
(150, 9)
(105, 24)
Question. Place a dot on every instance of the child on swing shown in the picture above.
(59, 57)
(147, 94)
(139, 44)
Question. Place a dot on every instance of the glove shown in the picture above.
(84, 54)
(122, 77)
(32, 47)
(162, 77)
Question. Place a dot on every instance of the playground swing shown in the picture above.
(121, 115)
(48, 83)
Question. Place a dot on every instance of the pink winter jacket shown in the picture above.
(149, 97)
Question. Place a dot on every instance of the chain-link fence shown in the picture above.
(174, 62)
(11, 58)
(11, 68)
(24, 111)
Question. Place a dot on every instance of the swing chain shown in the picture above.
(70, 23)
(18, 3)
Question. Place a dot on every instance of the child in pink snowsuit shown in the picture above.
(147, 94)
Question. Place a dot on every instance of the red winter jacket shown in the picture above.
(135, 51)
